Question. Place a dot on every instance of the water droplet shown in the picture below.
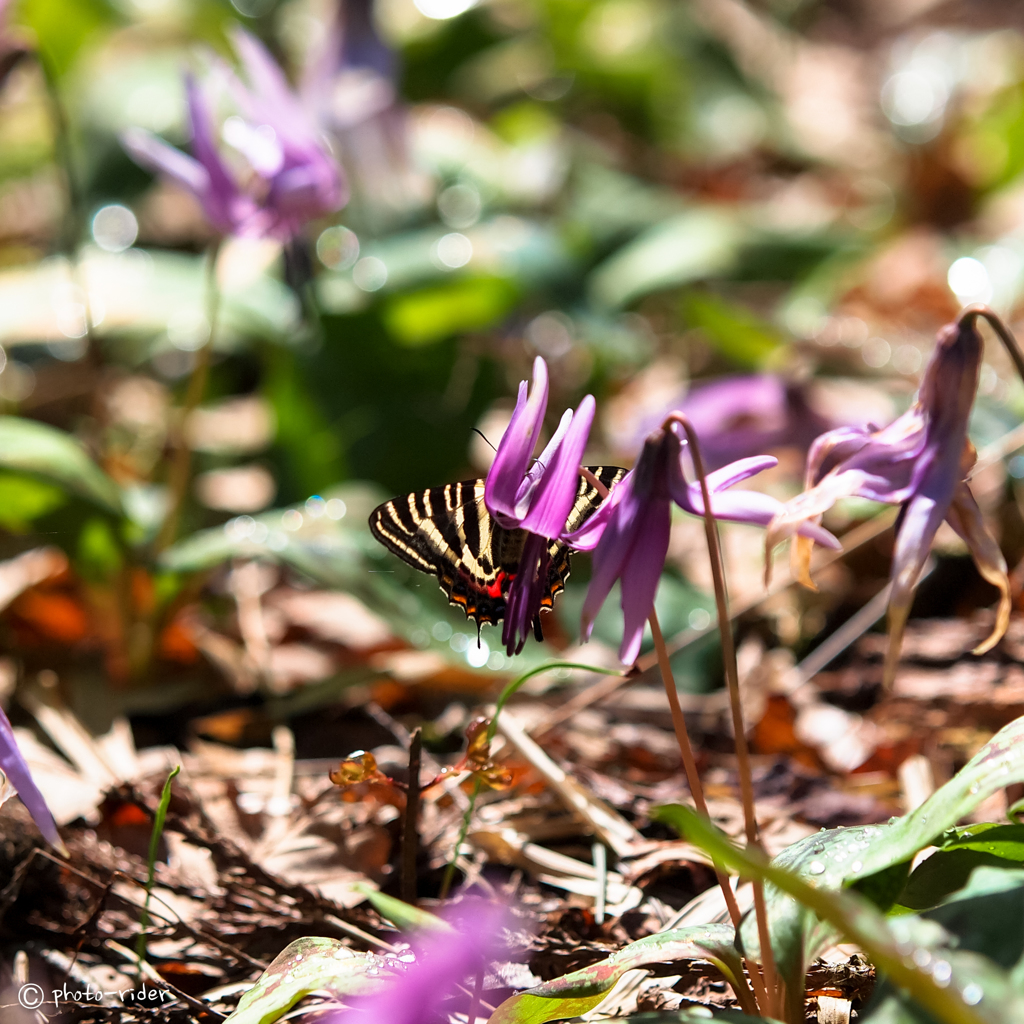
(972, 994)
(893, 820)
(974, 789)
(924, 819)
(856, 866)
(298, 956)
(817, 849)
(942, 972)
(372, 971)
(815, 868)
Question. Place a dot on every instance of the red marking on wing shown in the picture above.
(497, 588)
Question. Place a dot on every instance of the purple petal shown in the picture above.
(555, 494)
(516, 447)
(727, 476)
(640, 580)
(522, 604)
(156, 155)
(14, 766)
(587, 537)
(965, 517)
(220, 200)
(922, 516)
(443, 961)
(612, 552)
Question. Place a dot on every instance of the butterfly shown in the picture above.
(448, 532)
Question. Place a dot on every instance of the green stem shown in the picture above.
(467, 818)
(512, 687)
(154, 845)
(181, 464)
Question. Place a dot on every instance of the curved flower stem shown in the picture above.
(690, 767)
(1010, 343)
(739, 732)
(181, 464)
(467, 819)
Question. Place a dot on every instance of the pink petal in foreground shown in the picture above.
(14, 766)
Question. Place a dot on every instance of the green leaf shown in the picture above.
(960, 852)
(404, 915)
(998, 764)
(695, 245)
(850, 914)
(23, 499)
(580, 991)
(307, 965)
(31, 447)
(977, 935)
(741, 337)
(421, 317)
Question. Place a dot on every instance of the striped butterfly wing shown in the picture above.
(448, 532)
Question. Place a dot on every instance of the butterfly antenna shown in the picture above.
(477, 430)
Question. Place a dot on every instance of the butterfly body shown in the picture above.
(448, 532)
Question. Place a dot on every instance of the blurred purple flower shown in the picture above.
(736, 417)
(13, 765)
(920, 461)
(444, 960)
(536, 498)
(292, 179)
(629, 533)
(350, 86)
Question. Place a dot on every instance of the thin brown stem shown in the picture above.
(733, 683)
(689, 765)
(181, 462)
(1010, 343)
(697, 790)
(410, 826)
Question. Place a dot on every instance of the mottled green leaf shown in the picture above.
(309, 965)
(580, 991)
(45, 451)
(738, 335)
(690, 247)
(402, 914)
(420, 317)
(23, 499)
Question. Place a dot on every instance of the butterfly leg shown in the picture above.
(537, 631)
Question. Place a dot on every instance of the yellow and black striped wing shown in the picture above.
(448, 532)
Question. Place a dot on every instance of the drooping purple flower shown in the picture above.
(535, 497)
(351, 84)
(444, 960)
(14, 766)
(920, 461)
(291, 177)
(629, 533)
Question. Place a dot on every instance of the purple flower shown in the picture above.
(13, 765)
(736, 417)
(291, 178)
(351, 85)
(536, 498)
(920, 461)
(629, 533)
(444, 960)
